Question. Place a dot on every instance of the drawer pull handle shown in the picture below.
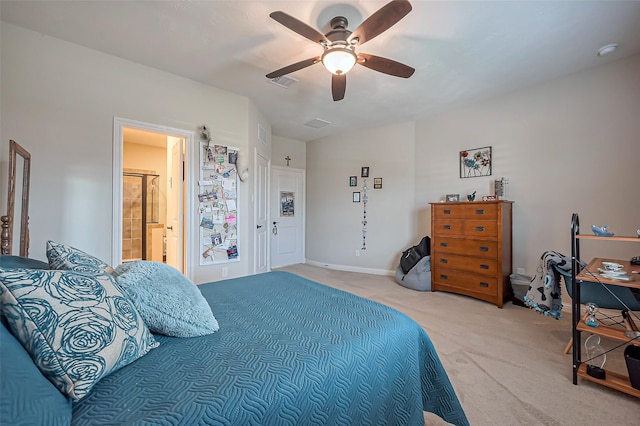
(447, 212)
(484, 248)
(447, 226)
(443, 276)
(444, 245)
(481, 211)
(444, 261)
(483, 266)
(483, 284)
(479, 228)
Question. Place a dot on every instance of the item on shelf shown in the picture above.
(635, 260)
(632, 358)
(632, 329)
(601, 231)
(613, 271)
(471, 196)
(596, 355)
(612, 266)
(591, 319)
(597, 372)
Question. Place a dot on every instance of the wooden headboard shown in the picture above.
(8, 223)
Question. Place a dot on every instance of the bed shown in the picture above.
(288, 351)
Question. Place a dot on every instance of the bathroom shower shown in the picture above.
(142, 234)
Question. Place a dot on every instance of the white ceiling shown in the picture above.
(463, 52)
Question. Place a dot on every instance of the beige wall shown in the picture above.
(294, 149)
(334, 228)
(59, 101)
(568, 145)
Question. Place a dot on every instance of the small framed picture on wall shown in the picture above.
(356, 197)
(364, 172)
(377, 183)
(353, 181)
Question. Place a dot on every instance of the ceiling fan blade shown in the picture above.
(293, 67)
(383, 19)
(338, 86)
(298, 26)
(385, 65)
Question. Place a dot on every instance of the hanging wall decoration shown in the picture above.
(365, 198)
(287, 204)
(218, 207)
(475, 162)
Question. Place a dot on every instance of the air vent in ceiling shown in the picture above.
(283, 81)
(316, 123)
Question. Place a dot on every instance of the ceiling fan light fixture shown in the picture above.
(339, 60)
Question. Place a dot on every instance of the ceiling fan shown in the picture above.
(340, 45)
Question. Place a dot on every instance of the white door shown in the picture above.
(261, 206)
(174, 202)
(287, 216)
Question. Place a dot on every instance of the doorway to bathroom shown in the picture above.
(149, 193)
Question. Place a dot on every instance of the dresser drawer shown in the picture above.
(450, 211)
(462, 228)
(480, 248)
(480, 211)
(447, 227)
(474, 265)
(480, 228)
(466, 211)
(464, 281)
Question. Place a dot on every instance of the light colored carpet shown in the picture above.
(506, 365)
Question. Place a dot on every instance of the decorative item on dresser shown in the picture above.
(471, 249)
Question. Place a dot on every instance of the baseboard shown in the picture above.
(351, 268)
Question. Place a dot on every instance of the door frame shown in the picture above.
(187, 224)
(267, 200)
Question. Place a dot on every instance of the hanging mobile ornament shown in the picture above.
(365, 198)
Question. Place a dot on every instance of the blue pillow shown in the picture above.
(27, 397)
(167, 300)
(70, 258)
(77, 328)
(14, 262)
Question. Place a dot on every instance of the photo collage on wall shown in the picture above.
(218, 208)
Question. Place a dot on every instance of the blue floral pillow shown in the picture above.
(77, 328)
(65, 257)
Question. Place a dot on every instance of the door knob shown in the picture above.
(170, 228)
(258, 226)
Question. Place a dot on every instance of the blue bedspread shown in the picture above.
(289, 352)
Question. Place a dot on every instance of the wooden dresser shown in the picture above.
(471, 249)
